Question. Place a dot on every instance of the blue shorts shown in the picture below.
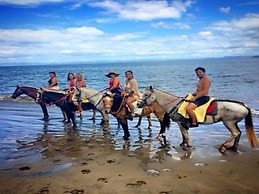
(202, 100)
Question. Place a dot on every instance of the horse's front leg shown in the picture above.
(185, 135)
(45, 111)
(125, 127)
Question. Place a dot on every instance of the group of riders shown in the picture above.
(131, 92)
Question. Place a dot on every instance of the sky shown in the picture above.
(65, 31)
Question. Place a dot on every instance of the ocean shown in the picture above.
(232, 78)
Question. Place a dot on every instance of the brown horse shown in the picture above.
(32, 92)
(115, 104)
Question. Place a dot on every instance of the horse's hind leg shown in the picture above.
(235, 134)
(236, 141)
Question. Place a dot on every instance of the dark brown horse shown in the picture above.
(61, 99)
(32, 92)
(115, 104)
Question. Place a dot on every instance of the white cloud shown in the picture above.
(250, 21)
(176, 25)
(224, 10)
(144, 10)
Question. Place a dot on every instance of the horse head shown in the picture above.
(147, 98)
(108, 101)
(17, 92)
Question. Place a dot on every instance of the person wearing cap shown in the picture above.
(114, 82)
(53, 81)
(200, 96)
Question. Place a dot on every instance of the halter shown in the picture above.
(173, 109)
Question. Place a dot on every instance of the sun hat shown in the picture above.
(112, 72)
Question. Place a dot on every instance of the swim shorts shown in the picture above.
(202, 100)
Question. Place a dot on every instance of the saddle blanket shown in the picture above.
(137, 110)
(200, 111)
(84, 100)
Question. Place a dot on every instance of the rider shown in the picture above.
(131, 91)
(72, 81)
(201, 95)
(80, 82)
(53, 81)
(114, 82)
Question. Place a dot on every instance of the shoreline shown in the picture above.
(104, 170)
(48, 157)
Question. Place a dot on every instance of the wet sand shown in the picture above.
(50, 157)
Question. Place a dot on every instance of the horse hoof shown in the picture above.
(158, 136)
(222, 150)
(232, 148)
(183, 144)
(126, 137)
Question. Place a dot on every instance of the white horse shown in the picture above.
(229, 112)
(94, 98)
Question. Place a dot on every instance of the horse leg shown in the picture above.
(186, 138)
(94, 115)
(71, 117)
(235, 134)
(236, 141)
(119, 124)
(149, 121)
(139, 122)
(45, 111)
(65, 117)
(105, 120)
(126, 130)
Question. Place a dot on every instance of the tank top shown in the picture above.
(111, 84)
(50, 82)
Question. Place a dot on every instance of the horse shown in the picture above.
(228, 111)
(61, 99)
(32, 92)
(94, 98)
(115, 104)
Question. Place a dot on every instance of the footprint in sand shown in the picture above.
(137, 184)
(24, 168)
(43, 190)
(77, 191)
(104, 180)
(86, 171)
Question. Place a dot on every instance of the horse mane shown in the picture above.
(163, 92)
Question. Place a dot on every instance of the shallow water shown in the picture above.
(25, 137)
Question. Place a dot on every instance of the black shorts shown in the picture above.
(202, 100)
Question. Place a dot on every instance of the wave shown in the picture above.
(18, 99)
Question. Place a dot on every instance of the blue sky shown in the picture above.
(64, 31)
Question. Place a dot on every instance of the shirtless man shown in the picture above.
(201, 96)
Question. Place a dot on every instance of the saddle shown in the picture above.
(200, 111)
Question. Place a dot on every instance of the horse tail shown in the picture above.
(250, 133)
(166, 120)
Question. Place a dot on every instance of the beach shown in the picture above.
(38, 156)
(50, 157)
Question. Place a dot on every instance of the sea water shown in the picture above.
(232, 78)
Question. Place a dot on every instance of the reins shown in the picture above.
(51, 103)
(96, 94)
(122, 102)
